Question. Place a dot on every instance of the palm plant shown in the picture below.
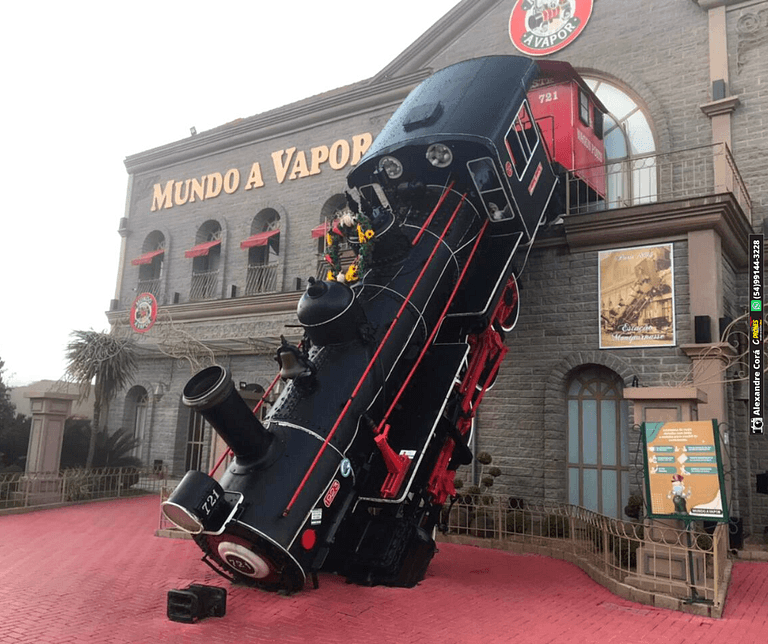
(104, 362)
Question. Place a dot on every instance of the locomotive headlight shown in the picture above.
(439, 155)
(391, 166)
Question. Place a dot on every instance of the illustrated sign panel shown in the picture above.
(637, 297)
(541, 27)
(683, 470)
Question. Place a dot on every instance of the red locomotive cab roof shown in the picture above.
(558, 71)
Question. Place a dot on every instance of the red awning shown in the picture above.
(201, 250)
(260, 239)
(319, 231)
(147, 258)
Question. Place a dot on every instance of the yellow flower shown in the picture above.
(328, 239)
(352, 275)
(369, 234)
(330, 277)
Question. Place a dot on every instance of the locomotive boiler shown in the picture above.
(349, 470)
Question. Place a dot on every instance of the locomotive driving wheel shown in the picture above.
(508, 309)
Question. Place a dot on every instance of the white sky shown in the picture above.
(87, 83)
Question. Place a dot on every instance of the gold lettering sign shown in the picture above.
(288, 165)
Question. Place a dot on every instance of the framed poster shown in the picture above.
(637, 297)
(683, 470)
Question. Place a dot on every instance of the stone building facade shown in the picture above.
(221, 228)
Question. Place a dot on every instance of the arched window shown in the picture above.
(196, 441)
(629, 147)
(263, 252)
(206, 258)
(135, 416)
(150, 264)
(328, 213)
(598, 450)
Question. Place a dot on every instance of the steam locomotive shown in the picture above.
(351, 467)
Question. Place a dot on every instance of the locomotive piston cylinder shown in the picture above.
(212, 394)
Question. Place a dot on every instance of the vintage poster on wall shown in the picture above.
(637, 297)
(683, 470)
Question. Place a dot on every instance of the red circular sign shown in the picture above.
(541, 27)
(143, 312)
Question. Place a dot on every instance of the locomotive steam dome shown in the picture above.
(329, 312)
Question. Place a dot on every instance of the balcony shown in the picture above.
(150, 286)
(661, 196)
(681, 175)
(261, 278)
(204, 285)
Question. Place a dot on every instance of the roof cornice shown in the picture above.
(269, 304)
(664, 220)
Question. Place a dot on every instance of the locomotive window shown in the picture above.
(522, 139)
(598, 127)
(489, 188)
(583, 107)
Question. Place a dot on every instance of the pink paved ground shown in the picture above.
(95, 573)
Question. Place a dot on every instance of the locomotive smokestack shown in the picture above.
(212, 394)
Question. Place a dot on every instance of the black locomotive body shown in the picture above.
(353, 463)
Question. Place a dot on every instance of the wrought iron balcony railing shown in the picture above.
(204, 285)
(150, 286)
(683, 174)
(261, 278)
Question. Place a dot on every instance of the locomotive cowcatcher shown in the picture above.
(350, 468)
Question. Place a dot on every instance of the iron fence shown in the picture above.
(638, 558)
(683, 174)
(20, 490)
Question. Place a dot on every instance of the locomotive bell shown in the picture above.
(329, 313)
(293, 363)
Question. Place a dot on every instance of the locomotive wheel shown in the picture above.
(251, 560)
(484, 376)
(509, 306)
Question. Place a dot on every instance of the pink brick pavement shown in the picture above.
(96, 573)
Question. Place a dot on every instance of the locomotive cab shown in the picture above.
(570, 119)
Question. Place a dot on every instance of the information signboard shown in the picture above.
(683, 470)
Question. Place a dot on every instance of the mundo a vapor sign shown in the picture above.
(541, 27)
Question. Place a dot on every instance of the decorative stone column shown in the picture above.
(41, 482)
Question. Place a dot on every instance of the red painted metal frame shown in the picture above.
(372, 362)
(487, 348)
